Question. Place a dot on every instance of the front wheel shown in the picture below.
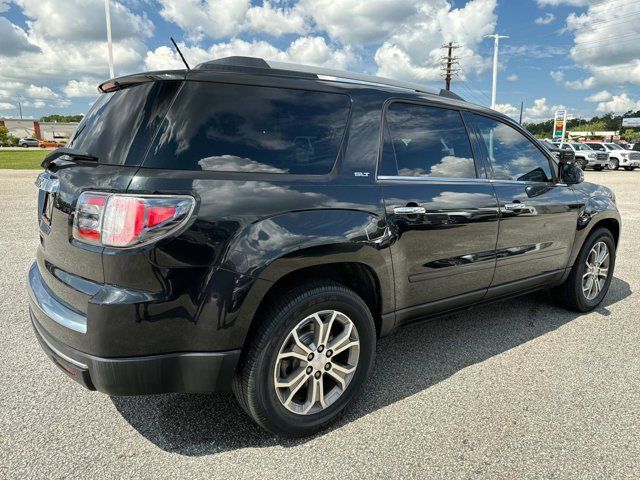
(308, 359)
(581, 163)
(629, 169)
(591, 274)
(614, 164)
(598, 168)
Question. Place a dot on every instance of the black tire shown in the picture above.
(598, 168)
(254, 385)
(570, 294)
(614, 164)
(24, 145)
(582, 163)
(628, 169)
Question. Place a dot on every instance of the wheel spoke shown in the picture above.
(295, 389)
(293, 380)
(299, 343)
(311, 396)
(603, 272)
(292, 354)
(343, 341)
(339, 374)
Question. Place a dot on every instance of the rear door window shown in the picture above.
(242, 128)
(424, 141)
(120, 125)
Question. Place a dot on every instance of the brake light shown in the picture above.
(128, 220)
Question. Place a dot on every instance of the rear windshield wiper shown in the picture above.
(72, 153)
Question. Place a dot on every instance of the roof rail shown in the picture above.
(319, 72)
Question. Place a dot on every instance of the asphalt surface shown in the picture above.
(519, 389)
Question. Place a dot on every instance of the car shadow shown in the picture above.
(411, 360)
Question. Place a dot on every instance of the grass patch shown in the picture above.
(18, 160)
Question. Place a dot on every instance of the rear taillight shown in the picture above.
(116, 220)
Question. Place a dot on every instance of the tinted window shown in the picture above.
(421, 141)
(597, 146)
(121, 124)
(511, 154)
(240, 128)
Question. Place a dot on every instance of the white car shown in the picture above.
(618, 156)
(585, 155)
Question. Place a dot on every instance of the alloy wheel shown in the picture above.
(316, 362)
(597, 270)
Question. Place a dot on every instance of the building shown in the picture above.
(22, 128)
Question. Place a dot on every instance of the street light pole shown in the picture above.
(109, 44)
(496, 41)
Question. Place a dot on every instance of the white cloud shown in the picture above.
(540, 111)
(307, 50)
(571, 3)
(6, 106)
(40, 93)
(276, 21)
(507, 109)
(414, 51)
(13, 39)
(546, 20)
(602, 96)
(619, 104)
(605, 44)
(70, 37)
(361, 21)
(512, 78)
(81, 88)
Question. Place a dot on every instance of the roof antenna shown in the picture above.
(180, 53)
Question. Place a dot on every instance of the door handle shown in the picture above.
(408, 210)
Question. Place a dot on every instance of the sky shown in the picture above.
(582, 55)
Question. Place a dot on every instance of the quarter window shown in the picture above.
(242, 128)
(512, 155)
(423, 141)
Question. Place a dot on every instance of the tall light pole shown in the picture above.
(109, 44)
(496, 41)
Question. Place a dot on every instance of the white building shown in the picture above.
(22, 128)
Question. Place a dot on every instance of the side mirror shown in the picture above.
(570, 173)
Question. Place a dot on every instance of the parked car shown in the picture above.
(259, 226)
(28, 142)
(618, 157)
(585, 155)
(49, 144)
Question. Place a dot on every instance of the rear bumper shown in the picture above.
(57, 326)
(194, 372)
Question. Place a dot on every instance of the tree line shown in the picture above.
(607, 122)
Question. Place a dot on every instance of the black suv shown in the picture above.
(258, 226)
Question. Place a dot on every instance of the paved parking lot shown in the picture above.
(519, 389)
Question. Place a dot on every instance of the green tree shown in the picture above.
(62, 118)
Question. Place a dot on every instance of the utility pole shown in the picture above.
(109, 44)
(496, 42)
(449, 65)
(20, 108)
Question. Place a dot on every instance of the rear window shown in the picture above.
(121, 124)
(240, 128)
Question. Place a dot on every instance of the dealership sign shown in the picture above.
(631, 122)
(559, 124)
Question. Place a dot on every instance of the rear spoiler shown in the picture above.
(69, 152)
(119, 83)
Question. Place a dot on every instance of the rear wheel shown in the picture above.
(308, 359)
(591, 274)
(581, 163)
(24, 145)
